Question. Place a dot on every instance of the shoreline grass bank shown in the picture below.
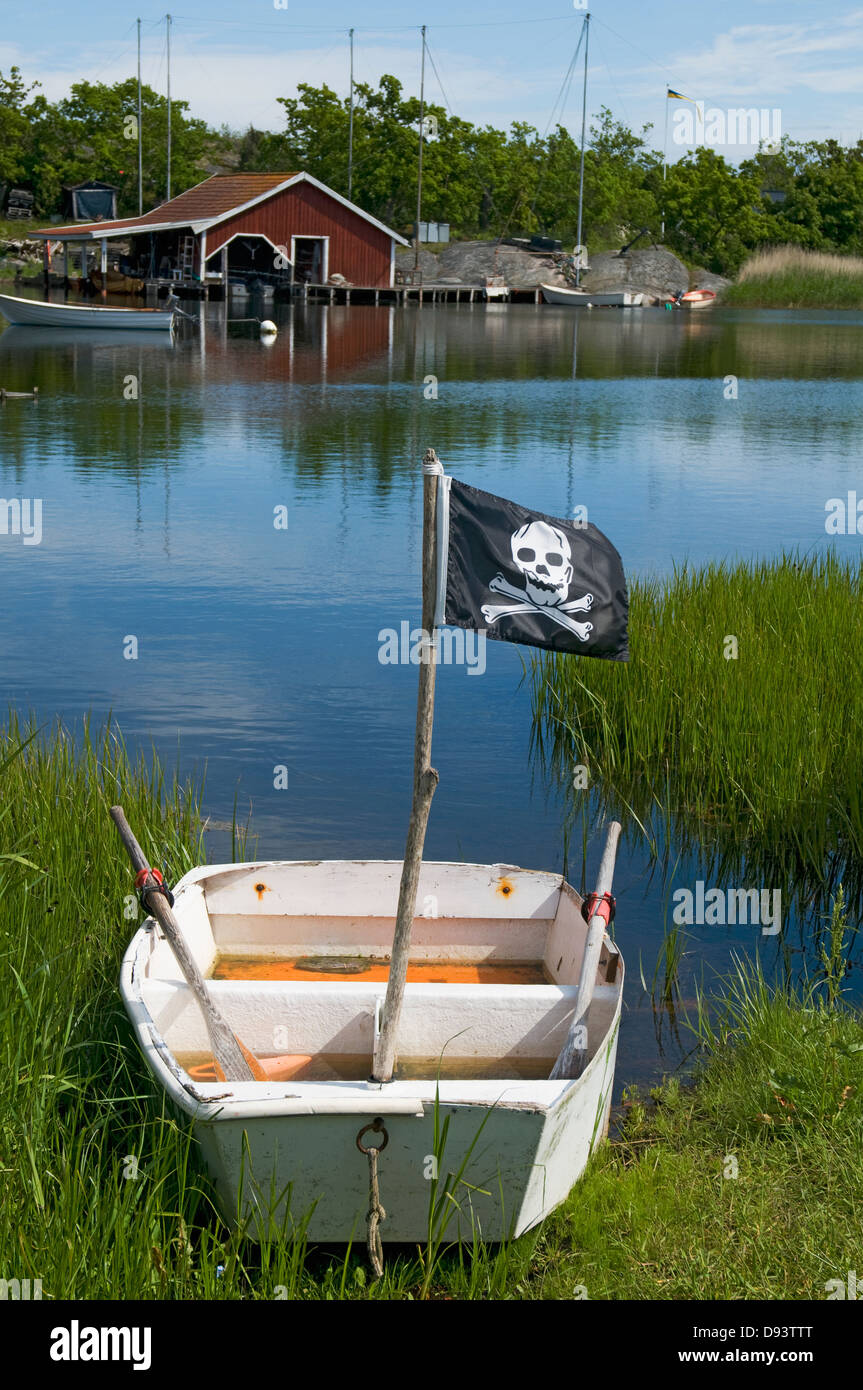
(788, 277)
(105, 1196)
(743, 1185)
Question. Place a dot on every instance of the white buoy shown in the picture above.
(268, 329)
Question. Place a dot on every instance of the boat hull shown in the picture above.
(580, 299)
(283, 1156)
(36, 313)
(518, 1160)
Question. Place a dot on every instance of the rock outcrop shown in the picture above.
(651, 270)
(468, 263)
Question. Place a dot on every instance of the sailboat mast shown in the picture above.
(140, 134)
(168, 43)
(422, 142)
(351, 126)
(583, 131)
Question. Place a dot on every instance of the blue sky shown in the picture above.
(498, 62)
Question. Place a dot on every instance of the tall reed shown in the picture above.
(791, 277)
(734, 728)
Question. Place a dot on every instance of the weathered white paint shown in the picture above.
(534, 1136)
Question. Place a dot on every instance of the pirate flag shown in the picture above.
(529, 578)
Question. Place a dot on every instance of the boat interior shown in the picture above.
(296, 956)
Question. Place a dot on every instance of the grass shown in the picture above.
(732, 729)
(743, 1185)
(17, 228)
(788, 277)
(105, 1196)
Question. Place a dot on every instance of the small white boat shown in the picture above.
(37, 313)
(297, 957)
(581, 299)
(697, 299)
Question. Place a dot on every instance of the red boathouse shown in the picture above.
(282, 229)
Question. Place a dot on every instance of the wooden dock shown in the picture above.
(352, 294)
(415, 294)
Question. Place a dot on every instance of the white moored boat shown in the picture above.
(580, 299)
(297, 958)
(36, 313)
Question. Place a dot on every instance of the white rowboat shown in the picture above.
(697, 299)
(297, 957)
(36, 313)
(580, 299)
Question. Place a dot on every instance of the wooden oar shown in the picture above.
(570, 1062)
(234, 1061)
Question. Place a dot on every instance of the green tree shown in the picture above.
(17, 113)
(715, 214)
(92, 133)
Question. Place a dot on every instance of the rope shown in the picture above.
(376, 1213)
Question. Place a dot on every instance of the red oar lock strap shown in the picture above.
(599, 905)
(151, 881)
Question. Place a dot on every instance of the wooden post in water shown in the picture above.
(425, 781)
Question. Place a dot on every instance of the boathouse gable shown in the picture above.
(332, 235)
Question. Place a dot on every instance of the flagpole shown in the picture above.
(425, 781)
(664, 163)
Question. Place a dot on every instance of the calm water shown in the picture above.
(259, 647)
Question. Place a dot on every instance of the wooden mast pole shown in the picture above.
(425, 781)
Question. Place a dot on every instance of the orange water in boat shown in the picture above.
(360, 969)
(357, 1067)
(283, 1068)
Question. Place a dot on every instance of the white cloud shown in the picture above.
(769, 61)
(239, 86)
(812, 69)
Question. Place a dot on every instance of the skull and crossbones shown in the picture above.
(542, 555)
